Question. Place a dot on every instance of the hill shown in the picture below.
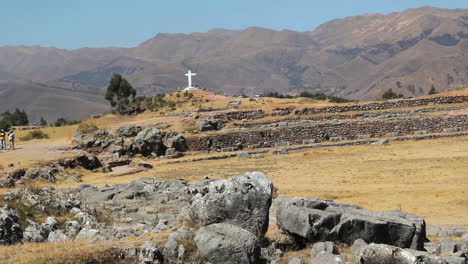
(355, 57)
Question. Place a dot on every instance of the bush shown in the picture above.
(390, 94)
(433, 90)
(35, 134)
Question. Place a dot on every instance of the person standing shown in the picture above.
(11, 137)
(2, 139)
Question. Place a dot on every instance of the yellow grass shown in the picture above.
(427, 178)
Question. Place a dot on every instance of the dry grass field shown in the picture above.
(428, 178)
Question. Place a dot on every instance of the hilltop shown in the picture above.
(355, 57)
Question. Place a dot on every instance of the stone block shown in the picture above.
(309, 141)
(336, 139)
(281, 144)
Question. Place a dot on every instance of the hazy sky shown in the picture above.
(126, 23)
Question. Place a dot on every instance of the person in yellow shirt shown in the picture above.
(2, 139)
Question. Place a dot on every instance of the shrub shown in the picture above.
(35, 134)
(390, 94)
(433, 90)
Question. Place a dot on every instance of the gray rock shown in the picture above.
(447, 246)
(87, 160)
(150, 253)
(178, 142)
(57, 235)
(34, 232)
(226, 244)
(358, 245)
(7, 182)
(380, 142)
(72, 228)
(432, 248)
(10, 229)
(150, 141)
(128, 130)
(327, 246)
(87, 233)
(296, 260)
(385, 254)
(51, 224)
(210, 124)
(45, 173)
(75, 178)
(172, 243)
(314, 219)
(326, 258)
(242, 200)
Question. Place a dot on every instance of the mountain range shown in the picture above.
(355, 57)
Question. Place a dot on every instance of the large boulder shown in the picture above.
(128, 130)
(226, 244)
(385, 254)
(242, 200)
(177, 142)
(172, 244)
(150, 142)
(87, 160)
(10, 229)
(313, 219)
(210, 124)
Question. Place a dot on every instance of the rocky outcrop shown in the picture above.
(226, 243)
(128, 130)
(10, 230)
(47, 173)
(210, 124)
(242, 200)
(150, 142)
(314, 219)
(83, 159)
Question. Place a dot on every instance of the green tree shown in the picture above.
(43, 122)
(119, 92)
(433, 90)
(60, 122)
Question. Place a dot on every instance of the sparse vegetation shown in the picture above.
(34, 134)
(390, 94)
(63, 122)
(315, 96)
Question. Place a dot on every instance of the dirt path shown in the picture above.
(34, 152)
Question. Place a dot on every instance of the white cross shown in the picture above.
(189, 74)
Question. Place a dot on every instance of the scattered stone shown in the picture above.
(87, 233)
(34, 232)
(242, 200)
(226, 243)
(150, 253)
(448, 246)
(10, 230)
(57, 235)
(327, 246)
(75, 178)
(45, 173)
(145, 165)
(17, 174)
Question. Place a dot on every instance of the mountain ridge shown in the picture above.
(357, 57)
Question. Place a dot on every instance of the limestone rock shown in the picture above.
(210, 124)
(226, 244)
(314, 219)
(326, 258)
(128, 130)
(242, 200)
(150, 141)
(327, 246)
(171, 246)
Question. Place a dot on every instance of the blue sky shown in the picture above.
(74, 24)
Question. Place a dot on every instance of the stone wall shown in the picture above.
(235, 115)
(326, 131)
(295, 120)
(383, 105)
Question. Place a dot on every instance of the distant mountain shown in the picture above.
(356, 57)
